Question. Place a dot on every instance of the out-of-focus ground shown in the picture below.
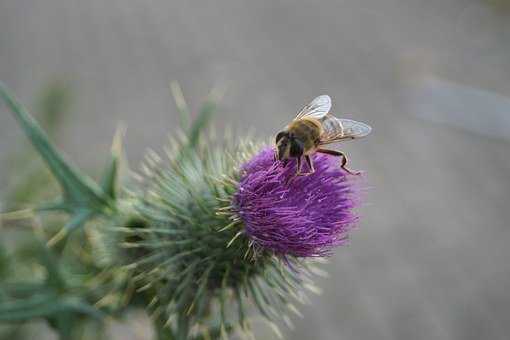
(430, 259)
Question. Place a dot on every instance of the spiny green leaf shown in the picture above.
(34, 181)
(80, 193)
(181, 104)
(110, 179)
(183, 327)
(21, 289)
(204, 116)
(63, 323)
(81, 307)
(4, 262)
(39, 305)
(216, 332)
(79, 218)
(54, 279)
(45, 306)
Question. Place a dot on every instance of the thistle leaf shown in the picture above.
(182, 106)
(35, 306)
(46, 306)
(82, 197)
(81, 307)
(199, 124)
(79, 218)
(53, 299)
(50, 263)
(109, 181)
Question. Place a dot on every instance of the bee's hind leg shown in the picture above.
(344, 159)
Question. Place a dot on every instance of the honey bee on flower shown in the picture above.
(314, 127)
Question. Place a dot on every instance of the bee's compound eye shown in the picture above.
(280, 151)
(280, 135)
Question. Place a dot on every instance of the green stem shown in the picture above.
(162, 332)
(182, 327)
(167, 333)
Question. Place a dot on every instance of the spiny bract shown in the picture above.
(187, 248)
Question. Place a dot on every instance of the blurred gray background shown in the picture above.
(430, 259)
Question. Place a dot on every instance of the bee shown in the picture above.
(313, 128)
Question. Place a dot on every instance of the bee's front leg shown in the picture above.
(298, 170)
(309, 161)
(299, 165)
(311, 170)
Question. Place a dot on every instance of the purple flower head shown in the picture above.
(301, 216)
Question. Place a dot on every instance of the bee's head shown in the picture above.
(282, 142)
(288, 146)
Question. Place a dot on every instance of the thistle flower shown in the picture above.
(209, 230)
(187, 250)
(301, 216)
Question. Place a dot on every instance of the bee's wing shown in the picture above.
(318, 108)
(336, 129)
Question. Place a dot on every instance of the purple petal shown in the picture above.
(300, 216)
